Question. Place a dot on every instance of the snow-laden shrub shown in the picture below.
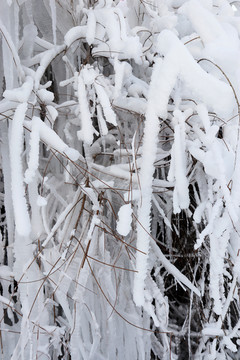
(120, 165)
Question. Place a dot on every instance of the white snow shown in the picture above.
(105, 103)
(120, 40)
(6, 301)
(204, 21)
(149, 150)
(41, 201)
(72, 153)
(52, 112)
(50, 137)
(203, 114)
(23, 225)
(161, 81)
(124, 220)
(76, 33)
(119, 68)
(92, 196)
(204, 87)
(22, 93)
(33, 161)
(45, 60)
(45, 96)
(131, 104)
(178, 169)
(87, 130)
(101, 121)
(212, 330)
(91, 27)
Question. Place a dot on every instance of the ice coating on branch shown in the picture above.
(23, 225)
(124, 220)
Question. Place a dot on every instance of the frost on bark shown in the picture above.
(120, 167)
